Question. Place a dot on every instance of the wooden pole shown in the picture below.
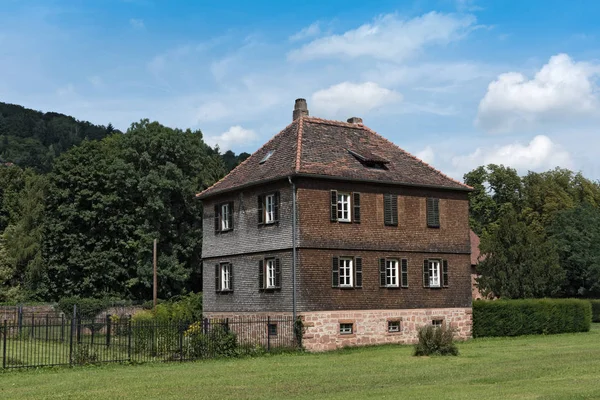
(155, 286)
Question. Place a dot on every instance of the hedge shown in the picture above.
(595, 310)
(530, 317)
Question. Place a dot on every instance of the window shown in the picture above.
(272, 329)
(435, 273)
(433, 212)
(269, 273)
(346, 329)
(223, 217)
(437, 323)
(345, 207)
(268, 208)
(390, 209)
(393, 326)
(393, 273)
(224, 277)
(266, 157)
(346, 272)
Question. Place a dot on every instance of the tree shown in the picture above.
(519, 260)
(576, 232)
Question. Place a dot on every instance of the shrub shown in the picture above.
(218, 342)
(595, 310)
(157, 336)
(84, 355)
(530, 317)
(437, 341)
(86, 308)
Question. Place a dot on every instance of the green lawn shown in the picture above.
(535, 367)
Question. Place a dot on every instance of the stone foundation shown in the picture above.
(322, 328)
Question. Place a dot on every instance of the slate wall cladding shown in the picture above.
(247, 236)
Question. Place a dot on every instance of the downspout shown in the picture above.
(293, 247)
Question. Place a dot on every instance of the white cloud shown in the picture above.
(388, 37)
(541, 153)
(96, 81)
(312, 30)
(351, 98)
(137, 23)
(561, 89)
(236, 136)
(427, 155)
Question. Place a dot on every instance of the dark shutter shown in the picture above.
(276, 206)
(445, 273)
(217, 278)
(335, 272)
(382, 276)
(358, 272)
(333, 205)
(261, 210)
(356, 206)
(261, 274)
(426, 273)
(433, 212)
(230, 276)
(217, 219)
(404, 272)
(231, 215)
(277, 273)
(390, 209)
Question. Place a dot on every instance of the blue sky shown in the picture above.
(458, 83)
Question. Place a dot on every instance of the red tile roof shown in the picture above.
(318, 147)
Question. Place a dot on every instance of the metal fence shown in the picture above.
(53, 341)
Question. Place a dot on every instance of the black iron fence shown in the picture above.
(56, 340)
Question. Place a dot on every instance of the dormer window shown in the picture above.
(369, 160)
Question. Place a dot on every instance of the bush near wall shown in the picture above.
(595, 310)
(530, 317)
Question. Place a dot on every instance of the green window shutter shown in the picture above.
(261, 210)
(433, 212)
(382, 276)
(390, 209)
(445, 273)
(333, 216)
(276, 206)
(404, 272)
(231, 215)
(230, 276)
(217, 278)
(261, 274)
(358, 275)
(217, 219)
(356, 206)
(277, 273)
(426, 273)
(335, 272)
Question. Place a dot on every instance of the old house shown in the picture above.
(331, 222)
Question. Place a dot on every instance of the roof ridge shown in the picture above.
(299, 144)
(246, 160)
(334, 122)
(415, 157)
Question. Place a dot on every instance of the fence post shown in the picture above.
(47, 327)
(62, 328)
(108, 330)
(32, 325)
(129, 339)
(268, 334)
(71, 340)
(4, 334)
(180, 328)
(20, 319)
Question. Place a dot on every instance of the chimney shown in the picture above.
(300, 109)
(355, 120)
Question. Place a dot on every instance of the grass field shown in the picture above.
(534, 367)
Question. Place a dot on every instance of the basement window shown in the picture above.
(437, 323)
(266, 157)
(346, 329)
(393, 326)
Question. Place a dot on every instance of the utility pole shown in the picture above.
(155, 286)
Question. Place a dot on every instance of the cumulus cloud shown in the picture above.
(388, 37)
(312, 30)
(560, 89)
(137, 23)
(541, 153)
(351, 97)
(427, 155)
(234, 136)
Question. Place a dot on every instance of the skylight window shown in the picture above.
(267, 156)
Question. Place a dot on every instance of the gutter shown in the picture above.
(293, 185)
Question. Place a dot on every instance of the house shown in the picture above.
(331, 222)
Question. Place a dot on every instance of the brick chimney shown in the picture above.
(355, 120)
(300, 109)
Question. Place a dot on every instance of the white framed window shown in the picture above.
(346, 329)
(270, 273)
(391, 273)
(343, 207)
(270, 208)
(393, 326)
(226, 276)
(225, 217)
(438, 323)
(346, 272)
(434, 273)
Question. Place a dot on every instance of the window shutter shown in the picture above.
(390, 209)
(276, 206)
(217, 278)
(333, 205)
(335, 272)
(230, 276)
(358, 275)
(261, 210)
(231, 215)
(382, 272)
(356, 205)
(404, 272)
(277, 273)
(445, 273)
(261, 274)
(217, 219)
(426, 273)
(433, 212)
